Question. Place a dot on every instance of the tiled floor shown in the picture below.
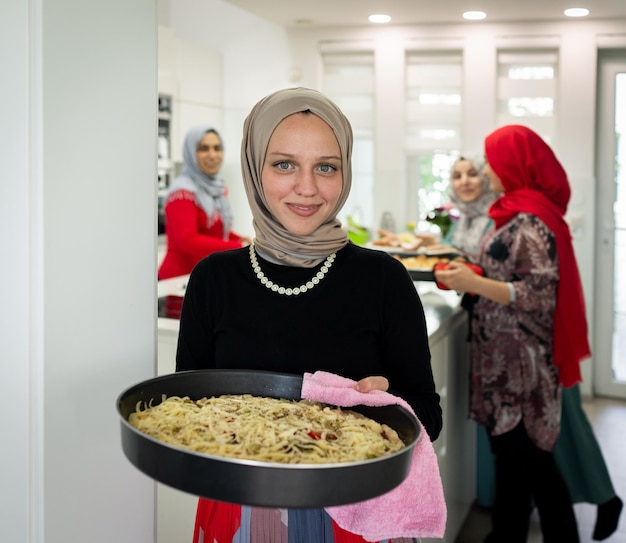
(609, 421)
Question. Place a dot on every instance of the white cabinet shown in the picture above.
(199, 95)
(166, 351)
(188, 115)
(456, 444)
(176, 515)
(176, 510)
(192, 76)
(166, 61)
(199, 74)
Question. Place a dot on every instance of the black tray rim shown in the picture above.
(259, 463)
(136, 445)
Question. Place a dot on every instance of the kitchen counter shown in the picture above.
(440, 306)
(168, 328)
(447, 329)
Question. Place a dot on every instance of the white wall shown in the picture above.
(78, 273)
(15, 310)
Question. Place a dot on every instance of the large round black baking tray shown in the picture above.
(250, 482)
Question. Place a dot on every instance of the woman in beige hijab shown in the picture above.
(301, 297)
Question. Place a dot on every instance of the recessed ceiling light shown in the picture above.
(576, 12)
(379, 18)
(474, 15)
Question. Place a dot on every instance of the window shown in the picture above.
(434, 86)
(526, 92)
(349, 81)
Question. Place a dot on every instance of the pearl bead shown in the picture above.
(290, 291)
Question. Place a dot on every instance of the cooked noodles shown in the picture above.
(266, 429)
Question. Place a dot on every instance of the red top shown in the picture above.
(189, 239)
(536, 183)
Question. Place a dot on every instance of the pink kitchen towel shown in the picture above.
(415, 508)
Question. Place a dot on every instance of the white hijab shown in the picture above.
(474, 220)
(209, 190)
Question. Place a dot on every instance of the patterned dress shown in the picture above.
(513, 376)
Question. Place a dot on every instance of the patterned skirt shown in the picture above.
(218, 522)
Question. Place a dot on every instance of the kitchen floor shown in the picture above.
(608, 418)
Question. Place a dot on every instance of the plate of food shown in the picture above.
(406, 242)
(247, 437)
(420, 265)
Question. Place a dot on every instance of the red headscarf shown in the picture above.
(535, 182)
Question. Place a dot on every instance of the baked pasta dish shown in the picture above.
(266, 429)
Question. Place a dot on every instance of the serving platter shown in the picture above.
(391, 249)
(425, 273)
(249, 482)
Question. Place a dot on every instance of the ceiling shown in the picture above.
(315, 13)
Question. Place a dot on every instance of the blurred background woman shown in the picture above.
(529, 333)
(198, 217)
(577, 452)
(471, 195)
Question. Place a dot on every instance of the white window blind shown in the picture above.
(527, 89)
(349, 81)
(434, 122)
(433, 100)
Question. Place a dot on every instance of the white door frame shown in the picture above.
(610, 63)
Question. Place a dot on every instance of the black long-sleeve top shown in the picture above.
(364, 318)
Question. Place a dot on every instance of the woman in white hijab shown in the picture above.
(301, 297)
(471, 194)
(198, 218)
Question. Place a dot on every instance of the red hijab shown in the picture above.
(535, 182)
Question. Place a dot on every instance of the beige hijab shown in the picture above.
(273, 241)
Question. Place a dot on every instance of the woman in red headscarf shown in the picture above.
(529, 333)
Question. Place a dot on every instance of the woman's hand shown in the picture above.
(368, 384)
(457, 276)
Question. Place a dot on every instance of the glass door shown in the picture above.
(610, 290)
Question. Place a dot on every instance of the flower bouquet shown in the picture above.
(443, 217)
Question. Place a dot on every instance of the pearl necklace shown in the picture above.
(290, 291)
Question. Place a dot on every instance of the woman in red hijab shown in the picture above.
(529, 333)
